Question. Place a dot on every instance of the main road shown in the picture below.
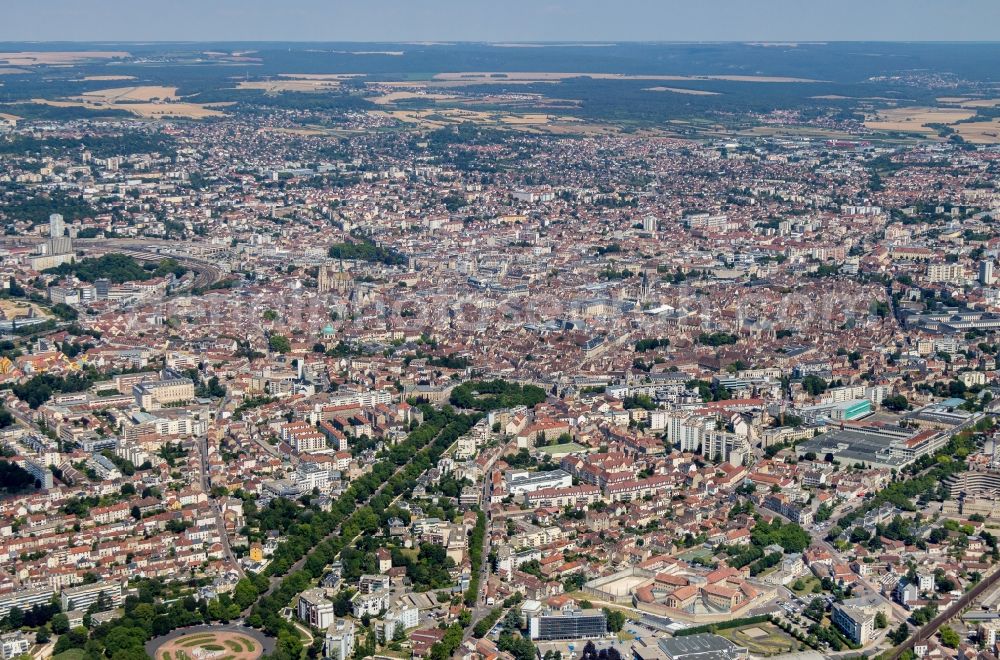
(481, 610)
(220, 521)
(276, 580)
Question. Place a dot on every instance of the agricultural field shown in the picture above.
(297, 82)
(916, 120)
(980, 132)
(138, 94)
(57, 58)
(480, 77)
(107, 78)
(441, 117)
(393, 97)
(682, 90)
(968, 102)
(785, 131)
(147, 101)
(558, 89)
(291, 85)
(956, 115)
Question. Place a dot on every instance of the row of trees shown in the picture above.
(928, 476)
(723, 625)
(311, 536)
(146, 616)
(484, 625)
(475, 558)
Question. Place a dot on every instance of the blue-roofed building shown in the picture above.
(840, 411)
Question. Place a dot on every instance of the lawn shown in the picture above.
(704, 553)
(70, 654)
(631, 615)
(807, 585)
(565, 448)
(195, 640)
(761, 639)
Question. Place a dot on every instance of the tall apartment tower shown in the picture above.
(986, 276)
(57, 226)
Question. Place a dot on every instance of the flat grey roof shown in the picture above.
(703, 646)
(863, 447)
(531, 477)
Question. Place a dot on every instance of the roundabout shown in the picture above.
(210, 643)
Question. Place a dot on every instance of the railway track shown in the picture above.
(928, 629)
(148, 250)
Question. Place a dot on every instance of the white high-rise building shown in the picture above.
(57, 226)
(687, 430)
(340, 639)
(986, 276)
(315, 609)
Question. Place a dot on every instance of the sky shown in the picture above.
(500, 20)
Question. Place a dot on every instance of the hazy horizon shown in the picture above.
(505, 43)
(516, 21)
